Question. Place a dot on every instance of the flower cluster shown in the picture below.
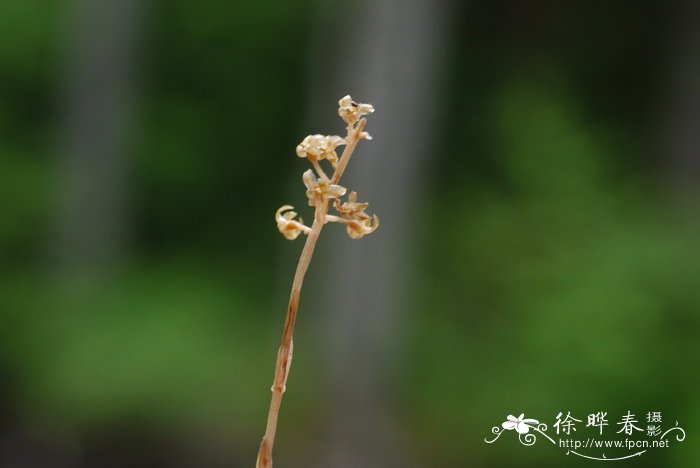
(318, 147)
(321, 189)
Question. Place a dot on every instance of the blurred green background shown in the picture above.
(535, 165)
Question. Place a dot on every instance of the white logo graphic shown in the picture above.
(566, 426)
(522, 426)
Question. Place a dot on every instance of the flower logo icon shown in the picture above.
(521, 425)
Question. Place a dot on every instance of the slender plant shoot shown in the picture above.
(322, 191)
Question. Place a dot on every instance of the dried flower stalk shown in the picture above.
(320, 190)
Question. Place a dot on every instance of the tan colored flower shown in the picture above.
(317, 147)
(358, 222)
(319, 190)
(351, 111)
(357, 229)
(351, 209)
(287, 225)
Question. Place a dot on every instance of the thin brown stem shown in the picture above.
(354, 136)
(336, 219)
(284, 354)
(319, 169)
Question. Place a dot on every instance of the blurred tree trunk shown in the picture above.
(388, 53)
(681, 138)
(93, 188)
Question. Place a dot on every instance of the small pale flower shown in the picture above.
(319, 190)
(351, 209)
(358, 223)
(359, 228)
(522, 426)
(287, 225)
(351, 111)
(317, 147)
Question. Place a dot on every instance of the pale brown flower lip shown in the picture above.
(287, 225)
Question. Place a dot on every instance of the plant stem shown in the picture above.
(353, 137)
(284, 354)
(319, 169)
